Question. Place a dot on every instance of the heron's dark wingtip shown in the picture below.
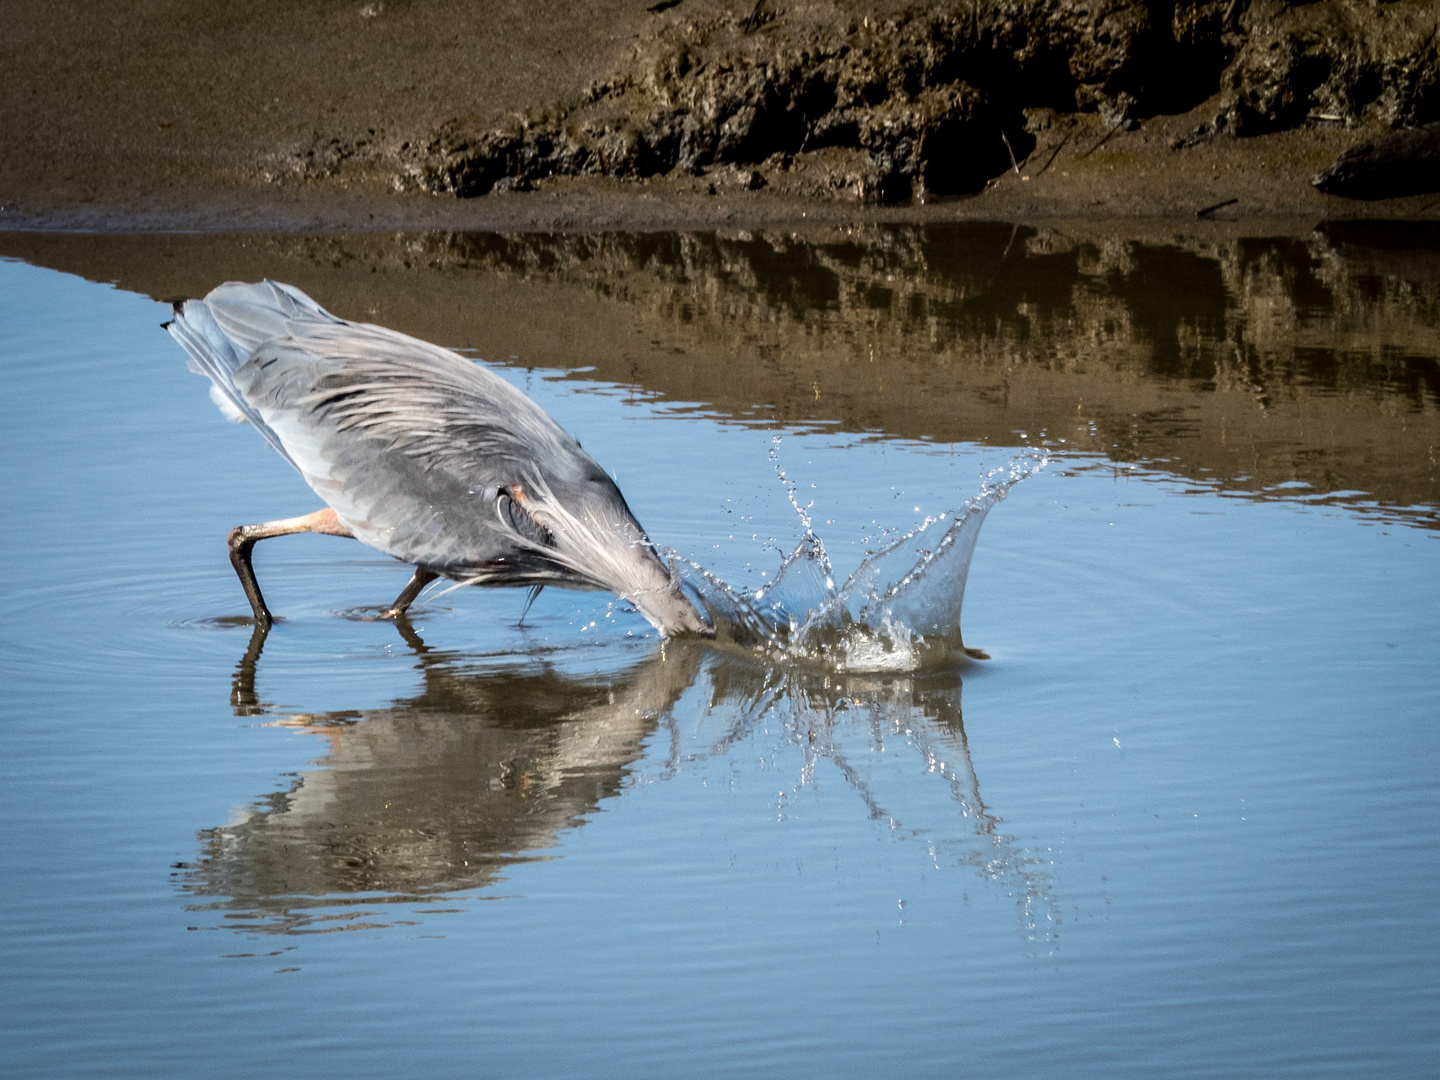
(177, 306)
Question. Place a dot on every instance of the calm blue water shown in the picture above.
(1184, 823)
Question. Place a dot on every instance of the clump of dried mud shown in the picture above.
(883, 103)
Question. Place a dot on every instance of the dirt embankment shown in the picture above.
(885, 102)
(690, 111)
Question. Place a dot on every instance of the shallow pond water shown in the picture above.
(1183, 822)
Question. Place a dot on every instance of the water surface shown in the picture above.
(1183, 822)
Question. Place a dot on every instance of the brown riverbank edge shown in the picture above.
(346, 116)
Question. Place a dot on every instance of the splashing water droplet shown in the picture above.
(900, 610)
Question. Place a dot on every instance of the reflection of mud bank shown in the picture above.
(1246, 361)
(1252, 362)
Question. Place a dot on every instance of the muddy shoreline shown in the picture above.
(155, 116)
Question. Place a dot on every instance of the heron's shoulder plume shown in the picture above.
(443, 410)
(277, 359)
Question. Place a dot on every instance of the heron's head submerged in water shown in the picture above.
(582, 535)
(422, 454)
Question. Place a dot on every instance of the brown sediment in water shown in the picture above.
(156, 114)
(1298, 357)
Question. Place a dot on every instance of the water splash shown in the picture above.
(900, 609)
(802, 512)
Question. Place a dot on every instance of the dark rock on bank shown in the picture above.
(1406, 163)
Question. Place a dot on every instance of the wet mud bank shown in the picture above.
(1297, 365)
(698, 113)
(882, 104)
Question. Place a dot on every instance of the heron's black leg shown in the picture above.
(240, 546)
(243, 538)
(402, 602)
(535, 591)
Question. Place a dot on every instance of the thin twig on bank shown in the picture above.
(1218, 206)
(1056, 152)
(1014, 229)
(1108, 136)
(1013, 163)
(750, 25)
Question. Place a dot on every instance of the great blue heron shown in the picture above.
(419, 453)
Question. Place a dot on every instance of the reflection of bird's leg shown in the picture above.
(243, 698)
(414, 640)
(244, 537)
(402, 602)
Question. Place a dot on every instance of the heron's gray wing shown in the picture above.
(410, 443)
(210, 353)
(250, 314)
(222, 331)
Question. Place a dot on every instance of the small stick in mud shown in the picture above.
(1014, 231)
(1056, 152)
(1218, 206)
(1108, 136)
(751, 24)
(1013, 164)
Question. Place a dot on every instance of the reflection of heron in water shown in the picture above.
(485, 767)
(923, 710)
(488, 765)
(420, 453)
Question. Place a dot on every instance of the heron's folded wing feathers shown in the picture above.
(210, 352)
(432, 404)
(408, 442)
(251, 314)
